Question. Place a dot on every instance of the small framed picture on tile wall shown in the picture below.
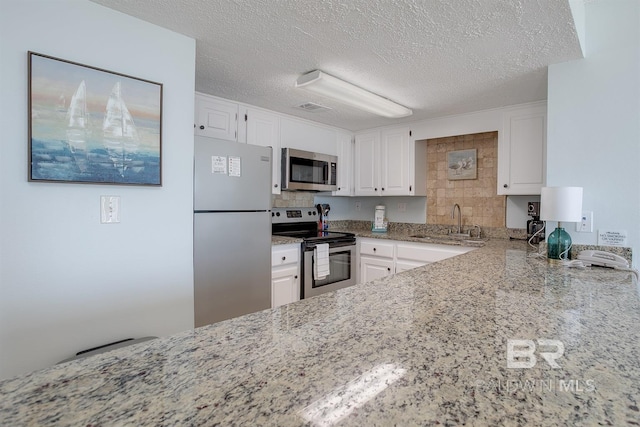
(462, 164)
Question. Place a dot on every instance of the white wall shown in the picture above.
(67, 282)
(346, 208)
(594, 121)
(517, 210)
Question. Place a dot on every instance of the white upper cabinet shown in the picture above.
(389, 163)
(367, 164)
(394, 162)
(215, 118)
(522, 150)
(263, 128)
(345, 165)
(307, 136)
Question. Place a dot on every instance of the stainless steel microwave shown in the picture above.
(304, 170)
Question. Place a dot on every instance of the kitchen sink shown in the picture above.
(460, 235)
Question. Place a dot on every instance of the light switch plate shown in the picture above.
(586, 223)
(109, 209)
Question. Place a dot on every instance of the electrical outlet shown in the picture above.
(402, 207)
(586, 222)
(109, 209)
(358, 206)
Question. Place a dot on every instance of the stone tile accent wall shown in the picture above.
(292, 199)
(477, 198)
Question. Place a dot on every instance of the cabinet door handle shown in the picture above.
(284, 258)
(388, 268)
(506, 186)
(375, 189)
(382, 188)
(202, 127)
(410, 188)
(275, 185)
(295, 277)
(374, 249)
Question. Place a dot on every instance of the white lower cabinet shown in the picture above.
(376, 259)
(404, 265)
(380, 257)
(285, 274)
(426, 253)
(372, 268)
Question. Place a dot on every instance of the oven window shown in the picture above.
(308, 171)
(339, 266)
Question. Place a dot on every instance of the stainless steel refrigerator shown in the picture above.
(232, 229)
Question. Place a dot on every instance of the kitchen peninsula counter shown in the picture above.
(423, 347)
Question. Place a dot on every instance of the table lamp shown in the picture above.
(561, 204)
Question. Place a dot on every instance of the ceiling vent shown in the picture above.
(312, 107)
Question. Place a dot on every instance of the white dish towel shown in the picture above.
(321, 265)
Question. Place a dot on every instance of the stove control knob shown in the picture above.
(277, 213)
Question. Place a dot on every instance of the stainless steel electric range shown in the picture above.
(303, 223)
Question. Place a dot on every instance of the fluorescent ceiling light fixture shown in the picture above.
(332, 87)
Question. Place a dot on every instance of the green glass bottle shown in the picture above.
(559, 244)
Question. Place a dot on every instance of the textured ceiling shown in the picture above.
(437, 57)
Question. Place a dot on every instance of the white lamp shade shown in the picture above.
(332, 87)
(562, 204)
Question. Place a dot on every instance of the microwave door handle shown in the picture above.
(325, 169)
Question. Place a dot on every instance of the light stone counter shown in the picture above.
(423, 238)
(424, 347)
(282, 240)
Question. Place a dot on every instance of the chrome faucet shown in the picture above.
(453, 215)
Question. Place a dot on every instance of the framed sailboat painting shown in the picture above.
(89, 125)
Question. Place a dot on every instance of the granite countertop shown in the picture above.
(423, 347)
(282, 240)
(422, 238)
(402, 236)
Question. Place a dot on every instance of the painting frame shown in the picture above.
(462, 164)
(89, 125)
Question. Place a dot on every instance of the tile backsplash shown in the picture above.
(292, 199)
(477, 198)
